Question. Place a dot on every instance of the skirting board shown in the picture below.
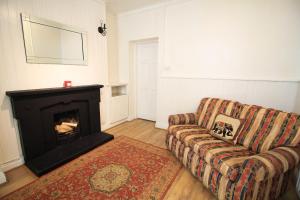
(161, 125)
(2, 177)
(108, 126)
(12, 164)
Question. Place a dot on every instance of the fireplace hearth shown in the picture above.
(57, 124)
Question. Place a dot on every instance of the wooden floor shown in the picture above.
(185, 186)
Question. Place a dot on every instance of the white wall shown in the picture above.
(112, 47)
(249, 39)
(242, 50)
(188, 92)
(16, 74)
(135, 26)
(297, 106)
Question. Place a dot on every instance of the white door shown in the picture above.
(146, 71)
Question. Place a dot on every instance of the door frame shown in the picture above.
(133, 74)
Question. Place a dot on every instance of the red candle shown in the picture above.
(67, 84)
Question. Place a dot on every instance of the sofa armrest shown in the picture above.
(181, 119)
(264, 166)
(273, 162)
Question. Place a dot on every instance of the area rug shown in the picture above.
(121, 169)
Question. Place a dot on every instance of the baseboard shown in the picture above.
(2, 177)
(108, 126)
(12, 164)
(105, 127)
(161, 125)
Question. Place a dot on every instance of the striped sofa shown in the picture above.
(258, 166)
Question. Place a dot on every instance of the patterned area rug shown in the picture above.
(121, 169)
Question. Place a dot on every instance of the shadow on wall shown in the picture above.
(10, 127)
(6, 107)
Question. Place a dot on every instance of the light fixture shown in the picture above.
(102, 28)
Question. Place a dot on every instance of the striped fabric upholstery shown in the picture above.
(265, 129)
(247, 184)
(188, 118)
(210, 107)
(224, 157)
(258, 167)
(186, 133)
(183, 131)
(276, 161)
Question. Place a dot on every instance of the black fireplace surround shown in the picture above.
(39, 111)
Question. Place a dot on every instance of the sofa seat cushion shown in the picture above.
(185, 133)
(228, 160)
(222, 156)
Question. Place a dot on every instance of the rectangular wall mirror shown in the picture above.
(53, 43)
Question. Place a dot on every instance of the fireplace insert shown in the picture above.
(66, 126)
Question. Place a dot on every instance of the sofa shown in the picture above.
(259, 161)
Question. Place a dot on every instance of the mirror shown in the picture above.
(53, 43)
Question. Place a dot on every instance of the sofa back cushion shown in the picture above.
(209, 108)
(265, 129)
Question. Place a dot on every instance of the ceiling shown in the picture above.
(119, 6)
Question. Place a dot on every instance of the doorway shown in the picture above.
(146, 79)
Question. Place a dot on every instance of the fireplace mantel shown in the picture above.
(35, 111)
(45, 91)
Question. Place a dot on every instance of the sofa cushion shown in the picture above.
(223, 156)
(265, 129)
(210, 107)
(227, 160)
(226, 128)
(186, 133)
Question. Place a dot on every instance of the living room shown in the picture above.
(130, 67)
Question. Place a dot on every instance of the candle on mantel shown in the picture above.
(67, 84)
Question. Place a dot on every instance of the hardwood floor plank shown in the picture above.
(16, 178)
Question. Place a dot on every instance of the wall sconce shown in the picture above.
(102, 29)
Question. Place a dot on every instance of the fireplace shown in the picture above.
(57, 124)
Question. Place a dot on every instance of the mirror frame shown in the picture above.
(29, 51)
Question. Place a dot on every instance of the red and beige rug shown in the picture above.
(121, 169)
